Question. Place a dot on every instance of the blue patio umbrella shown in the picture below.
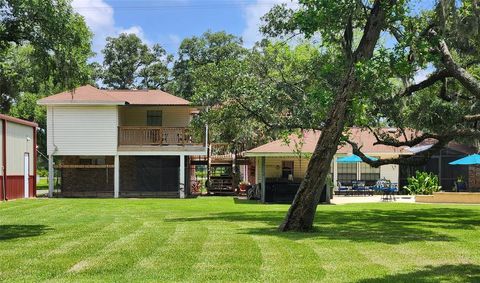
(469, 160)
(353, 159)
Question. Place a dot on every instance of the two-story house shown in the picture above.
(120, 143)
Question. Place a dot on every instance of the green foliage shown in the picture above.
(196, 52)
(422, 183)
(130, 63)
(59, 37)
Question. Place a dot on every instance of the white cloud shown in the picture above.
(99, 17)
(136, 30)
(253, 14)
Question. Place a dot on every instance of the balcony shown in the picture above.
(131, 137)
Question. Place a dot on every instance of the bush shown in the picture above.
(42, 172)
(422, 184)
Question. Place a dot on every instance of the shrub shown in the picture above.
(422, 183)
(42, 172)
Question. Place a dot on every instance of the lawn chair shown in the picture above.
(342, 189)
(359, 187)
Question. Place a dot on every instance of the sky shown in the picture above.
(167, 22)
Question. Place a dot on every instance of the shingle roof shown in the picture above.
(143, 97)
(362, 137)
(90, 95)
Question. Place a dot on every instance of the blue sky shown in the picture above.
(169, 21)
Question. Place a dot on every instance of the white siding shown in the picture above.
(172, 116)
(273, 166)
(390, 172)
(19, 141)
(82, 130)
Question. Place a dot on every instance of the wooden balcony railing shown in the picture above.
(154, 136)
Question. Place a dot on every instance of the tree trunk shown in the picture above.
(301, 214)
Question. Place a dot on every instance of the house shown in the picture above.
(281, 165)
(438, 165)
(18, 154)
(120, 143)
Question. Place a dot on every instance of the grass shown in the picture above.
(223, 239)
(42, 183)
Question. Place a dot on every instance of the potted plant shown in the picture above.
(242, 186)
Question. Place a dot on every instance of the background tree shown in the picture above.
(375, 79)
(41, 41)
(129, 63)
(195, 52)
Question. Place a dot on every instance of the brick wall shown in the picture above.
(474, 177)
(86, 182)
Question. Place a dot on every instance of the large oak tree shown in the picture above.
(376, 80)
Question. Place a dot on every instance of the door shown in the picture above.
(26, 173)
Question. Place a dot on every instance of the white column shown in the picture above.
(116, 177)
(182, 177)
(51, 176)
(262, 176)
(335, 171)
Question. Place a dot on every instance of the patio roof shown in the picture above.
(363, 137)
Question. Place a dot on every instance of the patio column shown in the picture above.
(116, 176)
(182, 177)
(262, 177)
(335, 171)
(51, 176)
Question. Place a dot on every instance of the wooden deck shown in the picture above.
(155, 136)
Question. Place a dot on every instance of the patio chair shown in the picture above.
(359, 187)
(342, 189)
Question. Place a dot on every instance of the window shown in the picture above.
(154, 117)
(369, 173)
(287, 169)
(347, 172)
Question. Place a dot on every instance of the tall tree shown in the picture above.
(372, 76)
(41, 41)
(130, 63)
(195, 52)
(336, 22)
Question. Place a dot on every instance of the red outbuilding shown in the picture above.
(18, 156)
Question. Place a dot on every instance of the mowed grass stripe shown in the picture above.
(222, 239)
(56, 266)
(288, 259)
(121, 257)
(174, 258)
(228, 254)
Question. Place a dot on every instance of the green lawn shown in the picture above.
(226, 240)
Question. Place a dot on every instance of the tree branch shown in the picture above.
(471, 118)
(431, 80)
(463, 76)
(420, 158)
